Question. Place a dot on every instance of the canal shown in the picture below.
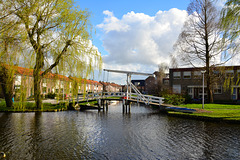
(142, 134)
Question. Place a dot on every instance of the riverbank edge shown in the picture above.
(202, 118)
(28, 110)
(198, 117)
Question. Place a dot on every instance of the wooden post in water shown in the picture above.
(107, 105)
(129, 107)
(99, 104)
(77, 98)
(123, 105)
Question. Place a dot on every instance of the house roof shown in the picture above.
(29, 72)
(202, 68)
(110, 84)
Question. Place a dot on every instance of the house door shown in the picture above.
(238, 93)
(195, 93)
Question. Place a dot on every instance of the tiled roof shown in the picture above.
(29, 72)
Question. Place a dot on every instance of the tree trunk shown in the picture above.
(37, 90)
(7, 86)
(8, 95)
(37, 79)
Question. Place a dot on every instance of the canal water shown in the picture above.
(142, 134)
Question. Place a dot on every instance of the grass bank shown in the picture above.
(30, 107)
(217, 112)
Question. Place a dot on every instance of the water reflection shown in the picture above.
(143, 133)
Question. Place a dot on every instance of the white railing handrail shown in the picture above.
(138, 92)
(147, 99)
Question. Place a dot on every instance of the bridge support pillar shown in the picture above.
(107, 105)
(126, 106)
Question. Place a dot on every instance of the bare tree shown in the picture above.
(200, 44)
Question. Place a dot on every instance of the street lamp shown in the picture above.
(203, 89)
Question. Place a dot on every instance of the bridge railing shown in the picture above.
(148, 99)
(91, 96)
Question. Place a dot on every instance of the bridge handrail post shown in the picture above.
(77, 98)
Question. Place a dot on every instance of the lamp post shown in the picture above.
(203, 90)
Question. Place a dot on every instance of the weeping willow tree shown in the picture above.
(10, 50)
(230, 19)
(230, 24)
(57, 34)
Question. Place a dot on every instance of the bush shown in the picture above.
(50, 95)
(173, 99)
(188, 99)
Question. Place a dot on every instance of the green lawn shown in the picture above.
(211, 106)
(217, 111)
(28, 107)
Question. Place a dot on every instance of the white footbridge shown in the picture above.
(135, 96)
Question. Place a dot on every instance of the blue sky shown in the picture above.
(121, 7)
(135, 35)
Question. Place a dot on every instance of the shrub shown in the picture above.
(173, 99)
(188, 99)
(50, 95)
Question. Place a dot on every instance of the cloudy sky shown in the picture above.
(135, 35)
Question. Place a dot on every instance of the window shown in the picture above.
(229, 73)
(197, 74)
(190, 91)
(176, 88)
(44, 82)
(187, 75)
(18, 80)
(44, 90)
(238, 73)
(176, 75)
(216, 73)
(234, 94)
(217, 89)
(137, 83)
(166, 82)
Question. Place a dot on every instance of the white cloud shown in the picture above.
(140, 42)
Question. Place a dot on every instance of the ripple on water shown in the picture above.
(143, 134)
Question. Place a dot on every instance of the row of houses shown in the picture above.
(189, 81)
(59, 84)
(225, 82)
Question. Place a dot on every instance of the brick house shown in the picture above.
(159, 83)
(51, 83)
(111, 87)
(225, 86)
(140, 84)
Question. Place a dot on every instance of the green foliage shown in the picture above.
(57, 35)
(230, 19)
(28, 107)
(173, 99)
(188, 99)
(50, 95)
